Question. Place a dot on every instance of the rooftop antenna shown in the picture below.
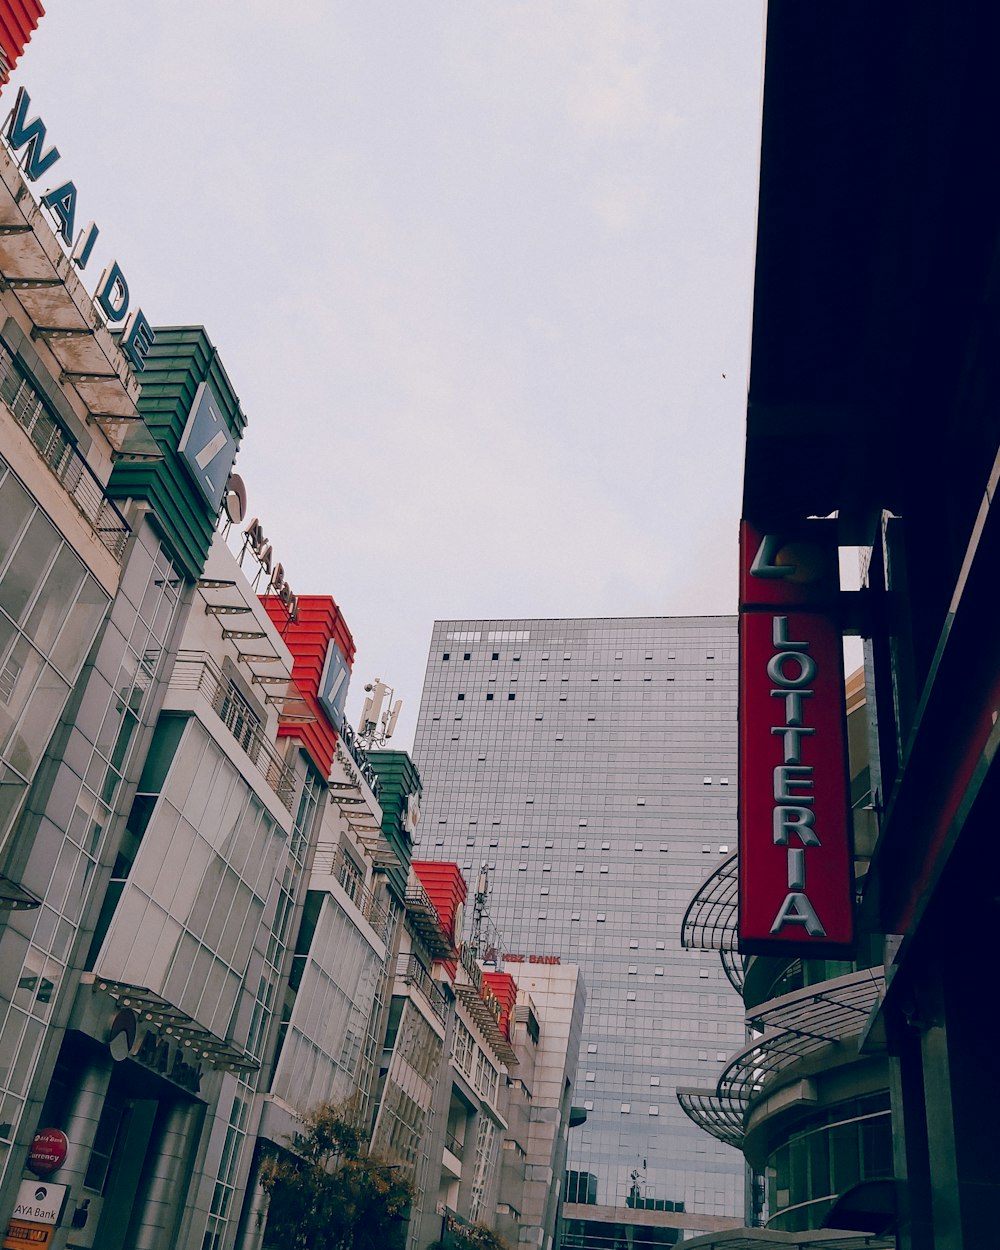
(378, 725)
(479, 908)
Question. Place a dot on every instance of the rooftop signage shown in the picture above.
(112, 295)
(796, 880)
(360, 756)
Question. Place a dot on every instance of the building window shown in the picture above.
(600, 917)
(588, 1106)
(522, 868)
(630, 996)
(496, 655)
(633, 944)
(467, 656)
(654, 1111)
(633, 970)
(575, 916)
(446, 655)
(591, 1076)
(654, 1080)
(460, 696)
(626, 1108)
(658, 971)
(604, 868)
(581, 846)
(592, 1048)
(489, 696)
(511, 696)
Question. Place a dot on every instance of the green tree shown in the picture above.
(476, 1236)
(329, 1193)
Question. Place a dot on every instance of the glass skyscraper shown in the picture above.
(591, 765)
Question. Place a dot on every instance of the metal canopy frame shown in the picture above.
(771, 1239)
(486, 1022)
(14, 897)
(711, 920)
(427, 923)
(41, 276)
(153, 1008)
(290, 701)
(795, 1026)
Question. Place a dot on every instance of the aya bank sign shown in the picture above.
(796, 868)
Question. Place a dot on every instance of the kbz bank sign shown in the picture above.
(796, 890)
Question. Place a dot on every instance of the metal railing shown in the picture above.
(52, 443)
(333, 860)
(411, 971)
(454, 1144)
(196, 670)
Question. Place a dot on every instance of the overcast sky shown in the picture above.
(480, 272)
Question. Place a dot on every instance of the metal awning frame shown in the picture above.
(795, 1026)
(153, 1008)
(36, 270)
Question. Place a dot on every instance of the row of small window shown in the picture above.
(626, 1108)
(720, 1055)
(568, 655)
(523, 866)
(647, 677)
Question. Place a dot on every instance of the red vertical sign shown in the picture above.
(796, 864)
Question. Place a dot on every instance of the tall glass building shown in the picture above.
(591, 765)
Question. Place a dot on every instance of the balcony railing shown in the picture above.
(411, 971)
(332, 860)
(61, 456)
(196, 670)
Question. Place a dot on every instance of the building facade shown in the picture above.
(873, 402)
(590, 767)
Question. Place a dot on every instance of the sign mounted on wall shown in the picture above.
(332, 692)
(795, 827)
(47, 1151)
(207, 447)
